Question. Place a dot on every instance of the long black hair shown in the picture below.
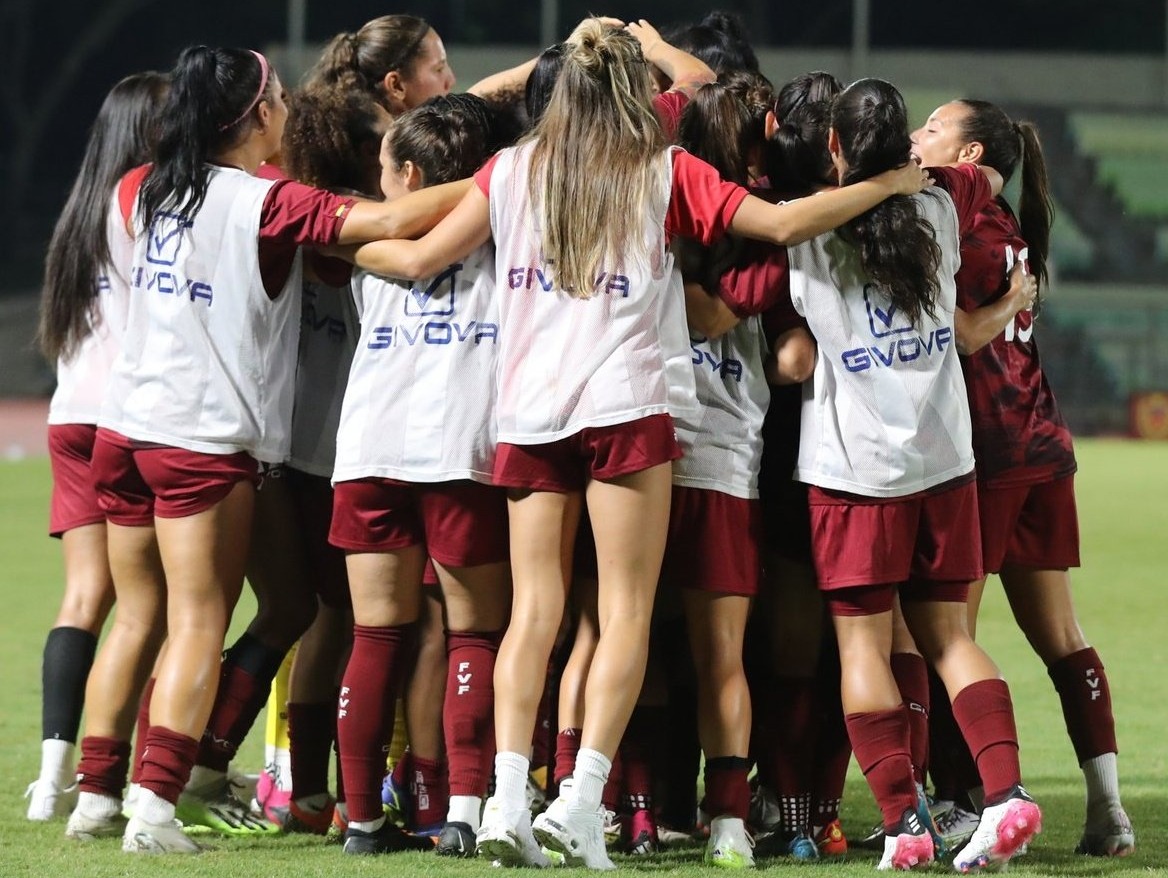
(213, 96)
(122, 137)
(897, 246)
(719, 40)
(1006, 143)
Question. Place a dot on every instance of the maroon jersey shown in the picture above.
(1019, 436)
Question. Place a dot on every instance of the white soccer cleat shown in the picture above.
(730, 845)
(1002, 831)
(505, 837)
(575, 833)
(89, 823)
(1113, 837)
(911, 846)
(47, 800)
(141, 837)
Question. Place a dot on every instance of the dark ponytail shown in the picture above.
(897, 246)
(213, 96)
(122, 137)
(1004, 145)
(362, 59)
(719, 40)
(796, 160)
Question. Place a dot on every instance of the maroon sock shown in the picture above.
(103, 765)
(167, 762)
(142, 726)
(880, 740)
(790, 745)
(429, 793)
(567, 746)
(985, 715)
(245, 681)
(310, 745)
(727, 789)
(1082, 688)
(365, 712)
(636, 756)
(468, 713)
(912, 679)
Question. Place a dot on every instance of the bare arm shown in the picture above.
(792, 358)
(977, 328)
(405, 217)
(466, 227)
(707, 314)
(685, 72)
(793, 222)
(504, 83)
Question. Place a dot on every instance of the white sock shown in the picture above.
(511, 779)
(201, 777)
(465, 809)
(57, 761)
(1102, 777)
(368, 825)
(152, 808)
(98, 805)
(589, 778)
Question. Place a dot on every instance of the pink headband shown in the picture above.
(259, 94)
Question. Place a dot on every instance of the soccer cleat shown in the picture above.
(911, 846)
(668, 837)
(269, 799)
(830, 840)
(296, 820)
(85, 827)
(456, 840)
(215, 807)
(925, 813)
(766, 815)
(339, 826)
(642, 839)
(730, 845)
(1116, 838)
(1003, 829)
(386, 839)
(505, 837)
(576, 833)
(957, 826)
(395, 800)
(141, 837)
(47, 800)
(536, 792)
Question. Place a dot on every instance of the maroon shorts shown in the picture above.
(713, 542)
(461, 524)
(74, 499)
(602, 453)
(139, 481)
(932, 536)
(1030, 525)
(313, 498)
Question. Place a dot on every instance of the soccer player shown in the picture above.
(1024, 453)
(83, 312)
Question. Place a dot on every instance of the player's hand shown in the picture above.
(909, 179)
(646, 35)
(1023, 288)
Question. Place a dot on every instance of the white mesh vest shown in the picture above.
(81, 379)
(566, 363)
(420, 402)
(885, 413)
(209, 360)
(723, 444)
(328, 337)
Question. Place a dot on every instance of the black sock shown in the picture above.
(251, 655)
(67, 659)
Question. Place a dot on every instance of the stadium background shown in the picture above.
(1094, 76)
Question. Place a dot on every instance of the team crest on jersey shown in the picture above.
(437, 299)
(883, 321)
(165, 238)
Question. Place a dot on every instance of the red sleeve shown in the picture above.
(332, 272)
(701, 203)
(757, 282)
(969, 189)
(128, 188)
(482, 176)
(669, 105)
(303, 215)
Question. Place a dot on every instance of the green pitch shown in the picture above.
(1120, 592)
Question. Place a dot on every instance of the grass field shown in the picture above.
(1122, 490)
